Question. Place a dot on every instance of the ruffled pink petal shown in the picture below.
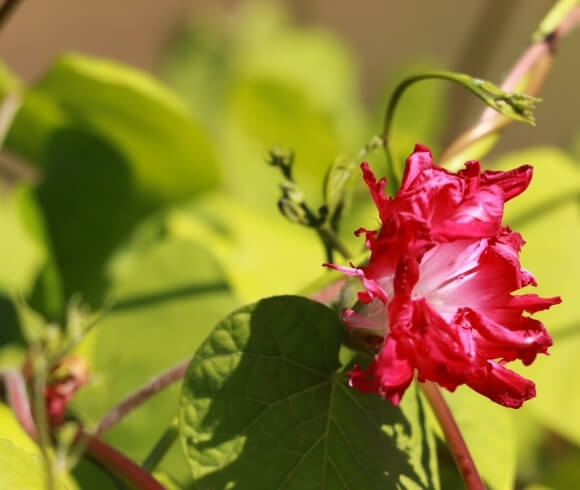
(524, 340)
(512, 183)
(389, 375)
(501, 385)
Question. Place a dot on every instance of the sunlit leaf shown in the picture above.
(20, 461)
(21, 256)
(171, 297)
(261, 255)
(547, 215)
(113, 144)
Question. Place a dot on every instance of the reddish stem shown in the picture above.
(120, 465)
(134, 400)
(537, 60)
(453, 436)
(18, 400)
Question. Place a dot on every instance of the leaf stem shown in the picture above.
(134, 400)
(161, 447)
(453, 436)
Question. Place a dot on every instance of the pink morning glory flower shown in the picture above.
(438, 288)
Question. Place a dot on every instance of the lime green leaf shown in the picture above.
(263, 75)
(21, 256)
(169, 154)
(11, 430)
(21, 470)
(265, 112)
(257, 39)
(171, 296)
(265, 406)
(113, 145)
(547, 216)
(489, 433)
(20, 463)
(260, 255)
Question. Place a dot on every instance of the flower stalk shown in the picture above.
(453, 436)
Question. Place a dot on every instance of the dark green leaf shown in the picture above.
(264, 405)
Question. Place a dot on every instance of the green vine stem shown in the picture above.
(161, 447)
(453, 436)
(513, 105)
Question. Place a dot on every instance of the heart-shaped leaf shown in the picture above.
(265, 405)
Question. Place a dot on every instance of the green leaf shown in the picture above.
(264, 405)
(113, 145)
(222, 46)
(84, 212)
(20, 463)
(169, 153)
(490, 436)
(264, 112)
(262, 75)
(13, 431)
(171, 296)
(261, 255)
(21, 256)
(21, 470)
(547, 216)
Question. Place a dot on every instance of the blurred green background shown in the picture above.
(153, 191)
